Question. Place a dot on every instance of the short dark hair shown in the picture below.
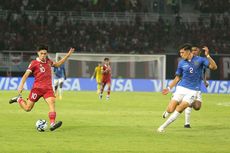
(106, 59)
(186, 46)
(42, 47)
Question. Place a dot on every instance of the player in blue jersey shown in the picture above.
(188, 80)
(198, 101)
(59, 77)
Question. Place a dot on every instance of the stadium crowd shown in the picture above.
(18, 31)
(213, 6)
(89, 5)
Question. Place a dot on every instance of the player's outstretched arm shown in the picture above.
(212, 64)
(62, 61)
(23, 80)
(171, 85)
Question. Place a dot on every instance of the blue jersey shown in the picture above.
(191, 72)
(59, 72)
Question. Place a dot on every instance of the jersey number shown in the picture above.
(34, 96)
(42, 69)
(191, 70)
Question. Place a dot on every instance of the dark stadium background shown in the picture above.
(115, 26)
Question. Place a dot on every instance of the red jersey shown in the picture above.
(42, 73)
(106, 75)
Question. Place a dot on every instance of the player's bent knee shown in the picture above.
(182, 106)
(171, 108)
(28, 109)
(196, 108)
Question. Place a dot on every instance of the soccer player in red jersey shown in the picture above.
(42, 87)
(106, 78)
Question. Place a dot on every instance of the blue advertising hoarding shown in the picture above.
(130, 85)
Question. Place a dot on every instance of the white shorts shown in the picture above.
(185, 94)
(58, 81)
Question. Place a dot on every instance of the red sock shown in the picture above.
(109, 91)
(52, 116)
(20, 100)
(102, 88)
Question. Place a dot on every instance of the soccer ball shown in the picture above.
(41, 125)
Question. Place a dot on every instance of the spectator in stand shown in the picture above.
(119, 37)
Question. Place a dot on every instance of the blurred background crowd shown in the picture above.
(115, 26)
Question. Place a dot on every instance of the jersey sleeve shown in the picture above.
(179, 70)
(31, 66)
(51, 62)
(205, 62)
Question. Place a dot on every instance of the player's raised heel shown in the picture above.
(14, 99)
(165, 114)
(56, 125)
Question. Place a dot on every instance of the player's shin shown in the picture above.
(52, 117)
(56, 90)
(60, 90)
(102, 88)
(60, 93)
(188, 111)
(108, 92)
(172, 118)
(23, 104)
(101, 91)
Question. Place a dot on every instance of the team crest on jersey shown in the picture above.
(196, 63)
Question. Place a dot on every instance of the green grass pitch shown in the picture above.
(126, 123)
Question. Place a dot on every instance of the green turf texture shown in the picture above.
(126, 123)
